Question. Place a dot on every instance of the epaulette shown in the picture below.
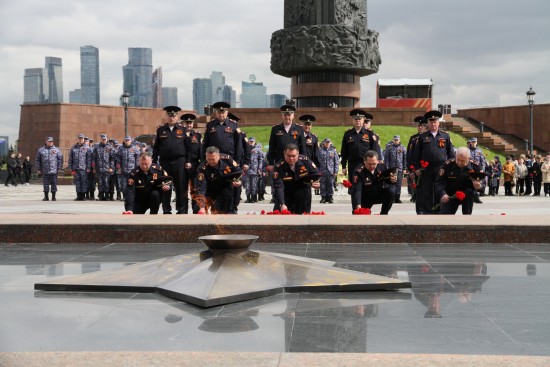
(449, 161)
(279, 164)
(155, 166)
(302, 157)
(314, 134)
(225, 156)
(360, 169)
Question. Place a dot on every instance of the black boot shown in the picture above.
(118, 197)
(111, 196)
(87, 195)
(323, 200)
(254, 198)
(46, 198)
(92, 195)
(330, 200)
(261, 197)
(53, 196)
(398, 199)
(247, 199)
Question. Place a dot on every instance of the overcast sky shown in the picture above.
(478, 52)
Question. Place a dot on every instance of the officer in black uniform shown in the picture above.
(434, 148)
(372, 184)
(453, 176)
(283, 134)
(355, 143)
(148, 187)
(222, 133)
(217, 175)
(312, 141)
(421, 126)
(293, 178)
(244, 162)
(193, 146)
(169, 150)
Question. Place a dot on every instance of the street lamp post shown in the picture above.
(531, 100)
(125, 97)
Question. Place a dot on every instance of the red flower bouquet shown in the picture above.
(347, 184)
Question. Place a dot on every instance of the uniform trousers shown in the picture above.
(452, 206)
(49, 182)
(425, 200)
(176, 169)
(384, 196)
(81, 181)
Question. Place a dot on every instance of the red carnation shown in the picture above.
(362, 211)
(346, 184)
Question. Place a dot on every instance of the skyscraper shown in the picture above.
(34, 83)
(254, 95)
(169, 96)
(277, 100)
(218, 81)
(54, 68)
(202, 93)
(229, 95)
(157, 89)
(75, 96)
(138, 75)
(89, 75)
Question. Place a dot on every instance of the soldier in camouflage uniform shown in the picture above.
(252, 175)
(104, 162)
(127, 159)
(90, 195)
(80, 161)
(329, 164)
(395, 155)
(48, 162)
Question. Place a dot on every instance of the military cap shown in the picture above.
(172, 110)
(233, 117)
(420, 120)
(430, 115)
(188, 117)
(86, 138)
(472, 140)
(396, 137)
(252, 139)
(115, 142)
(327, 140)
(81, 136)
(103, 136)
(287, 108)
(49, 138)
(360, 113)
(221, 106)
(307, 119)
(127, 137)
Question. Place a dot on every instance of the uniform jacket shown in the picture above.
(285, 179)
(127, 158)
(80, 158)
(279, 138)
(169, 144)
(413, 141)
(476, 155)
(312, 147)
(329, 161)
(211, 180)
(355, 145)
(256, 161)
(193, 146)
(141, 184)
(225, 136)
(49, 160)
(103, 157)
(452, 178)
(12, 164)
(395, 156)
(433, 149)
(363, 181)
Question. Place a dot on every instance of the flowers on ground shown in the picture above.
(361, 211)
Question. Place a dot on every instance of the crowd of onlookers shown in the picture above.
(522, 176)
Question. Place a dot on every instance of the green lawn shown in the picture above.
(335, 134)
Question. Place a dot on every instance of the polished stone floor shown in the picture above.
(474, 299)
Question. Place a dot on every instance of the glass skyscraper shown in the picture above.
(54, 68)
(138, 75)
(34, 82)
(254, 95)
(157, 89)
(277, 100)
(202, 93)
(169, 96)
(89, 75)
(218, 81)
